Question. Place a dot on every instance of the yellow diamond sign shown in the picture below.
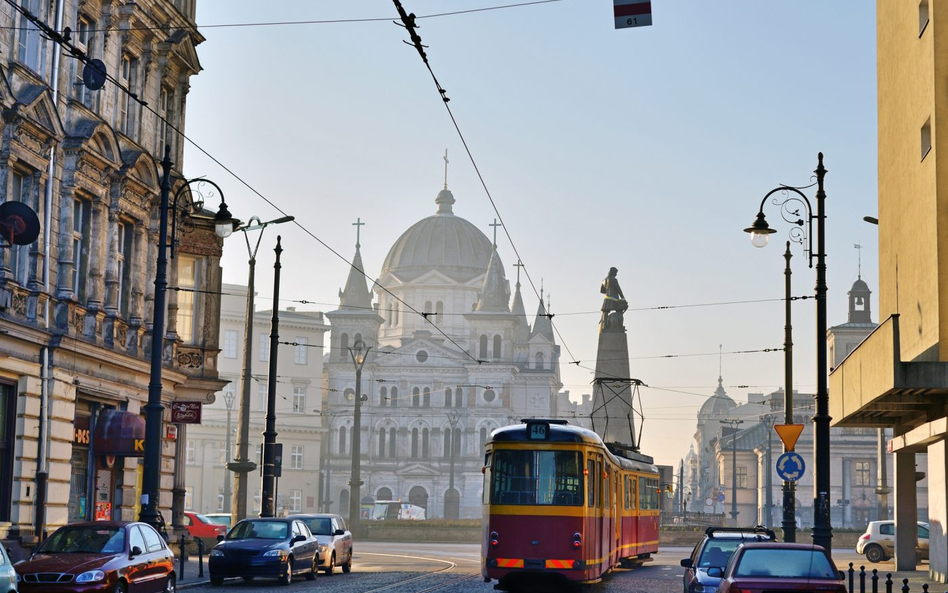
(789, 433)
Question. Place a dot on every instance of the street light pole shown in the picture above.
(358, 352)
(242, 464)
(229, 402)
(268, 489)
(733, 423)
(151, 472)
(802, 233)
(789, 523)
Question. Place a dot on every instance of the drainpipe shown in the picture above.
(42, 469)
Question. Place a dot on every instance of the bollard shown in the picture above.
(851, 571)
(925, 588)
(875, 580)
(888, 582)
(862, 579)
(200, 558)
(182, 557)
(905, 587)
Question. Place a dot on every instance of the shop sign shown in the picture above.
(81, 434)
(103, 511)
(186, 412)
(119, 433)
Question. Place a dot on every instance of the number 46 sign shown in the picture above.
(632, 13)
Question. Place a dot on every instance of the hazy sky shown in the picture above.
(648, 149)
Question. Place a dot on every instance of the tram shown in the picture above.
(559, 505)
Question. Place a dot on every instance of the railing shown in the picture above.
(692, 519)
(874, 583)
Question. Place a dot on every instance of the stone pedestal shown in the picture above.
(612, 398)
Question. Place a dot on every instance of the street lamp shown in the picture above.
(242, 464)
(358, 352)
(453, 417)
(229, 402)
(734, 423)
(224, 224)
(268, 487)
(791, 204)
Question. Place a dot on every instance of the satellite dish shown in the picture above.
(94, 74)
(19, 225)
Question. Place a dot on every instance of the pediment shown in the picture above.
(96, 137)
(184, 52)
(6, 93)
(438, 356)
(139, 166)
(35, 104)
(434, 277)
(417, 469)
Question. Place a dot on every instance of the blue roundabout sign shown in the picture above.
(790, 466)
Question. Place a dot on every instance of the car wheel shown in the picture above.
(217, 581)
(347, 567)
(875, 553)
(313, 570)
(170, 585)
(120, 587)
(332, 565)
(287, 577)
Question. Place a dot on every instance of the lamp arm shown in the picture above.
(797, 234)
(174, 204)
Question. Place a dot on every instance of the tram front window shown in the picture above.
(537, 477)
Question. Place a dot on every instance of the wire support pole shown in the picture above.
(268, 489)
(359, 353)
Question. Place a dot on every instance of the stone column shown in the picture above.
(111, 264)
(66, 262)
(906, 510)
(938, 511)
(847, 493)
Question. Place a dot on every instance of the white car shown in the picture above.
(335, 541)
(878, 542)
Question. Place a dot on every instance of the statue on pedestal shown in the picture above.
(614, 304)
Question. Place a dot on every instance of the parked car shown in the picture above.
(769, 566)
(714, 550)
(7, 573)
(878, 542)
(268, 548)
(220, 518)
(335, 541)
(395, 510)
(201, 526)
(115, 556)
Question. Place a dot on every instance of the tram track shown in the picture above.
(400, 585)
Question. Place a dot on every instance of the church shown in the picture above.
(453, 357)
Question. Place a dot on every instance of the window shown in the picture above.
(189, 453)
(428, 309)
(230, 343)
(447, 443)
(448, 395)
(482, 353)
(540, 362)
(393, 396)
(125, 109)
(187, 310)
(926, 138)
(20, 254)
(222, 457)
(299, 400)
(887, 529)
(301, 348)
(344, 502)
(165, 135)
(742, 476)
(30, 45)
(152, 539)
(342, 440)
(220, 499)
(383, 396)
(415, 397)
(424, 444)
(256, 500)
(296, 459)
(382, 442)
(124, 260)
(261, 397)
(537, 477)
(922, 16)
(489, 395)
(343, 346)
(296, 500)
(783, 563)
(264, 342)
(457, 397)
(862, 473)
(497, 344)
(81, 214)
(188, 498)
(439, 313)
(391, 443)
(414, 443)
(84, 39)
(483, 437)
(426, 397)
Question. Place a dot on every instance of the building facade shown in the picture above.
(76, 305)
(299, 420)
(435, 385)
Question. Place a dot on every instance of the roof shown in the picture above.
(718, 404)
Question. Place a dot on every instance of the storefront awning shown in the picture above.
(119, 433)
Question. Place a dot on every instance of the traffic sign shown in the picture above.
(632, 13)
(720, 498)
(790, 466)
(789, 433)
(708, 502)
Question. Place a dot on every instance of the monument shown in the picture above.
(613, 415)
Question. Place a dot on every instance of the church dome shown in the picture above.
(719, 404)
(442, 242)
(859, 286)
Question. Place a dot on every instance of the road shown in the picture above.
(424, 568)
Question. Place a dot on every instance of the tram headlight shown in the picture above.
(577, 540)
(493, 539)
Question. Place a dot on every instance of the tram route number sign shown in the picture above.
(632, 13)
(538, 431)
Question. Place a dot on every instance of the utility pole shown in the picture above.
(734, 423)
(268, 491)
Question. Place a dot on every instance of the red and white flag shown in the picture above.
(632, 13)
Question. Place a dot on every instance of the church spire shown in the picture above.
(495, 293)
(542, 324)
(522, 332)
(356, 293)
(445, 199)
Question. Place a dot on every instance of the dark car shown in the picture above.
(335, 541)
(714, 549)
(773, 567)
(107, 556)
(268, 548)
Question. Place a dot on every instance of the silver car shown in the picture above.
(335, 541)
(8, 576)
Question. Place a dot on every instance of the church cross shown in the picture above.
(495, 224)
(446, 161)
(518, 265)
(358, 224)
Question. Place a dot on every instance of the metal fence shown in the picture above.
(876, 583)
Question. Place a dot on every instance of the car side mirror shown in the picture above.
(339, 532)
(842, 575)
(686, 563)
(220, 537)
(298, 538)
(716, 572)
(135, 551)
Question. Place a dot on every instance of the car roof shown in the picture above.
(102, 524)
(255, 519)
(781, 546)
(313, 516)
(742, 535)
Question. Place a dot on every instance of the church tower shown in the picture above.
(843, 339)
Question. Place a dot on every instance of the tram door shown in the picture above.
(594, 514)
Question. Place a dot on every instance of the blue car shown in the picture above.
(713, 551)
(266, 548)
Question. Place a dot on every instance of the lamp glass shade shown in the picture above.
(224, 229)
(760, 239)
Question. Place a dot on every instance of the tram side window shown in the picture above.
(591, 480)
(487, 478)
(633, 484)
(599, 480)
(605, 479)
(628, 495)
(536, 477)
(648, 492)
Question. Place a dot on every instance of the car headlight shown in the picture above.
(323, 547)
(91, 576)
(703, 589)
(18, 578)
(279, 553)
(216, 553)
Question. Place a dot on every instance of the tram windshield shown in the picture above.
(537, 477)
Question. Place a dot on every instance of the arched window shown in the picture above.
(415, 397)
(344, 502)
(342, 440)
(414, 443)
(428, 308)
(452, 503)
(418, 496)
(447, 443)
(424, 443)
(539, 359)
(456, 437)
(439, 313)
(448, 394)
(457, 398)
(426, 397)
(391, 443)
(384, 494)
(343, 345)
(357, 339)
(382, 442)
(497, 346)
(483, 437)
(483, 350)
(383, 396)
(393, 397)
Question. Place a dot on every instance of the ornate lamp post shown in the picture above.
(224, 226)
(358, 352)
(791, 202)
(229, 402)
(243, 465)
(453, 417)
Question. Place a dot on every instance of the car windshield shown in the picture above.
(202, 518)
(258, 530)
(785, 564)
(717, 551)
(220, 520)
(321, 526)
(85, 540)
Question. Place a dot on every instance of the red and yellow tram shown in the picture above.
(558, 503)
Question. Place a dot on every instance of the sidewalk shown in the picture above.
(916, 578)
(189, 576)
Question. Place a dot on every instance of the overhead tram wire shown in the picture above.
(81, 56)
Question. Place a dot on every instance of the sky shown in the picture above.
(648, 149)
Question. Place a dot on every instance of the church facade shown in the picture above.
(453, 357)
